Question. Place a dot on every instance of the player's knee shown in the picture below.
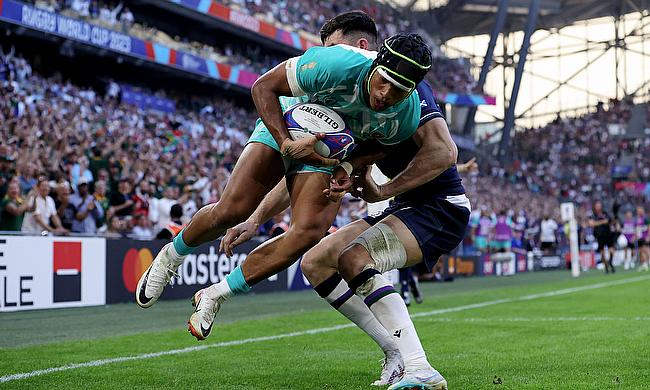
(309, 263)
(224, 216)
(318, 259)
(352, 261)
(305, 237)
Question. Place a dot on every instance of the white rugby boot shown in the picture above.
(392, 369)
(428, 379)
(155, 278)
(200, 323)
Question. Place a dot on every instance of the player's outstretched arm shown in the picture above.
(273, 203)
(265, 92)
(437, 153)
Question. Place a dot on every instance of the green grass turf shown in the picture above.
(592, 339)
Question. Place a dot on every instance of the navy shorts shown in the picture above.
(438, 225)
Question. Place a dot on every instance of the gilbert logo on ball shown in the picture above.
(305, 119)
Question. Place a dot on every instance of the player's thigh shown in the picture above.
(406, 237)
(312, 213)
(257, 171)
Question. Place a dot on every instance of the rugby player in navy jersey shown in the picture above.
(428, 218)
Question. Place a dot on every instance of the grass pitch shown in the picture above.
(530, 331)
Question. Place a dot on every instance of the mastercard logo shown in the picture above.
(134, 265)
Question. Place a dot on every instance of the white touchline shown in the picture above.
(102, 362)
(535, 319)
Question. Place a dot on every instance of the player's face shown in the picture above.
(383, 93)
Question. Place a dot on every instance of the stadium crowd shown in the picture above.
(448, 74)
(558, 162)
(136, 164)
(63, 145)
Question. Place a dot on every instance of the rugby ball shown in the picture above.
(305, 119)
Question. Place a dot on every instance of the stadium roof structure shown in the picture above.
(504, 19)
(474, 17)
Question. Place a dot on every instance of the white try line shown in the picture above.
(536, 319)
(102, 362)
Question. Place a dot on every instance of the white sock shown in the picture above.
(389, 308)
(219, 291)
(174, 255)
(353, 308)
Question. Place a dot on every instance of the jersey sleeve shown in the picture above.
(321, 68)
(407, 121)
(429, 108)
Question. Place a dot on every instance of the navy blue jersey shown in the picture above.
(447, 183)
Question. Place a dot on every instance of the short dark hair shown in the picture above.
(176, 211)
(350, 22)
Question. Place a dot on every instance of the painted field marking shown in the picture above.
(103, 362)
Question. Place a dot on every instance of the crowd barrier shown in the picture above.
(56, 272)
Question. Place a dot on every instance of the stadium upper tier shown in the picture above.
(475, 17)
(219, 53)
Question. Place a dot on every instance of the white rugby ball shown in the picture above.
(305, 119)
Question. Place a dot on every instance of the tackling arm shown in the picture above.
(437, 153)
(273, 203)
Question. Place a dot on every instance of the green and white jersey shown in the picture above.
(334, 77)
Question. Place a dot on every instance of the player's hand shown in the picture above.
(340, 183)
(303, 150)
(468, 167)
(237, 235)
(366, 188)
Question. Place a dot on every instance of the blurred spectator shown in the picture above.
(38, 221)
(121, 201)
(90, 213)
(141, 199)
(174, 226)
(117, 228)
(27, 177)
(189, 202)
(64, 208)
(102, 200)
(13, 207)
(82, 7)
(161, 209)
(7, 171)
(80, 169)
(126, 18)
(142, 229)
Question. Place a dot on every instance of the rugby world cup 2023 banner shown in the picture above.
(53, 23)
(51, 272)
(128, 259)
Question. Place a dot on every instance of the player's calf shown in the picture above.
(375, 251)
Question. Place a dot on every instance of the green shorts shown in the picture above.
(501, 244)
(262, 135)
(480, 243)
